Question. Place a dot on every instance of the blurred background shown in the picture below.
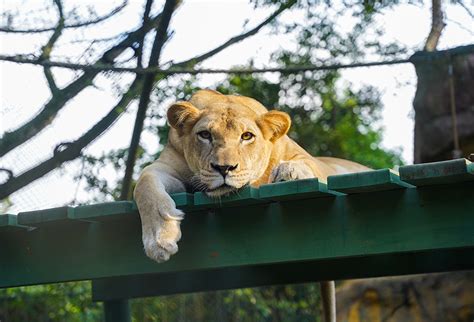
(85, 87)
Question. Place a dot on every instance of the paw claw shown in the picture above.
(174, 215)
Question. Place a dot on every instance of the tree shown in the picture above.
(329, 118)
(319, 29)
(141, 84)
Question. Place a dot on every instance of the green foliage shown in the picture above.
(56, 302)
(278, 303)
(71, 302)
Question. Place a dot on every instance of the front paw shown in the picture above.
(291, 170)
(160, 242)
(160, 226)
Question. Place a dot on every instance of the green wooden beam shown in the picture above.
(9, 222)
(145, 285)
(245, 196)
(47, 216)
(184, 200)
(434, 220)
(106, 211)
(438, 172)
(294, 190)
(103, 211)
(369, 181)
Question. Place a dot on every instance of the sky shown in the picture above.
(198, 26)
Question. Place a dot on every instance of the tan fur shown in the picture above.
(190, 160)
(186, 161)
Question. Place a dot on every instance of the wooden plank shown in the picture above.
(138, 286)
(444, 172)
(437, 220)
(101, 212)
(294, 190)
(368, 181)
(46, 216)
(245, 196)
(7, 219)
(9, 222)
(104, 211)
(183, 200)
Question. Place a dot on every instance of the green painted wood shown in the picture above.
(101, 212)
(139, 286)
(117, 311)
(245, 196)
(444, 172)
(294, 190)
(434, 220)
(183, 200)
(368, 181)
(114, 210)
(104, 211)
(46, 216)
(9, 222)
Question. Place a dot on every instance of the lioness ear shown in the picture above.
(182, 114)
(274, 124)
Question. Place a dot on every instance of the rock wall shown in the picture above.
(433, 124)
(445, 297)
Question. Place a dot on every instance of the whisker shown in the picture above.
(197, 184)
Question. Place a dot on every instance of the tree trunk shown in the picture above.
(435, 133)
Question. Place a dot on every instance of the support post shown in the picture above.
(117, 311)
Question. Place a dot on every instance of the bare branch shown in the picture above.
(466, 8)
(160, 39)
(146, 17)
(50, 79)
(72, 150)
(109, 15)
(10, 140)
(437, 25)
(236, 39)
(176, 70)
(96, 40)
(48, 48)
(460, 25)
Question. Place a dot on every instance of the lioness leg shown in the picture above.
(160, 218)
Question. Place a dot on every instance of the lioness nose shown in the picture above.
(224, 169)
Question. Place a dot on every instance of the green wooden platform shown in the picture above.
(375, 223)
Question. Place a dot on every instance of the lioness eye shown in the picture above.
(205, 135)
(247, 136)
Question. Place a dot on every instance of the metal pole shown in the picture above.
(117, 311)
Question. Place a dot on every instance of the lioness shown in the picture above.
(219, 144)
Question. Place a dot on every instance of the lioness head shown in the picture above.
(227, 140)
